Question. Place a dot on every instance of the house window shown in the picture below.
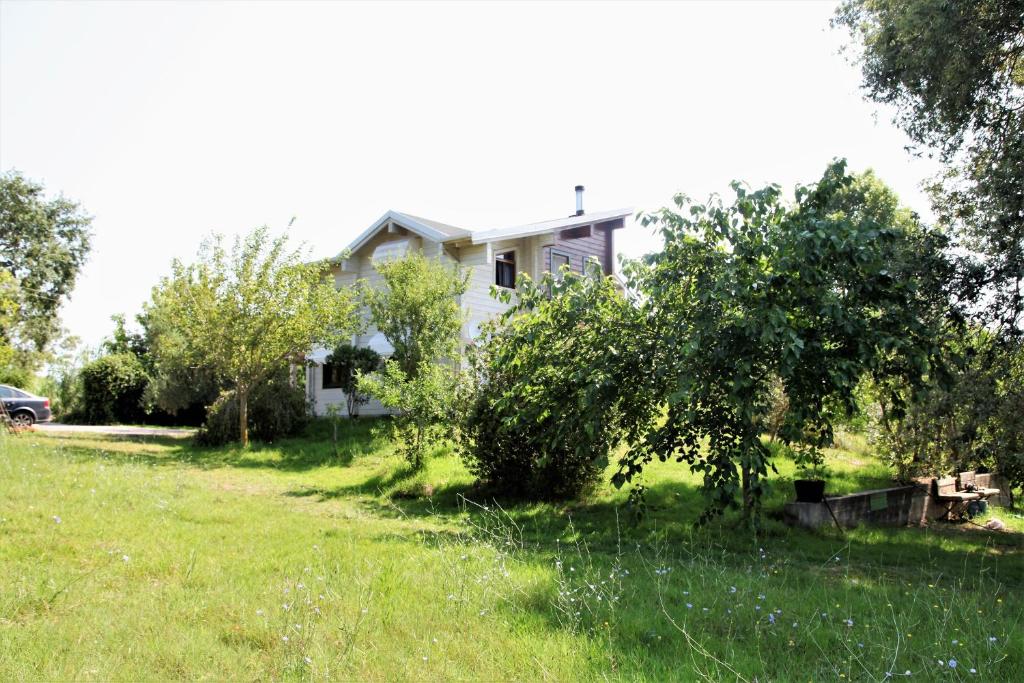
(505, 269)
(332, 377)
(558, 260)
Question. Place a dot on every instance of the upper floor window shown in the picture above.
(558, 260)
(505, 269)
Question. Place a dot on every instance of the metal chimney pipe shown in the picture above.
(579, 200)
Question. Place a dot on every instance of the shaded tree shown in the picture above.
(954, 71)
(559, 381)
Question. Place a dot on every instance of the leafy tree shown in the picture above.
(43, 246)
(558, 384)
(349, 363)
(245, 314)
(417, 310)
(954, 71)
(759, 291)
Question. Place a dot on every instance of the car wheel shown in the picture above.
(22, 419)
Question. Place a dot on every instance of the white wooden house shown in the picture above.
(494, 256)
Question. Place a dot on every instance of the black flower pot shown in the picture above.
(809, 490)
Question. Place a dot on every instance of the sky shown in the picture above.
(169, 121)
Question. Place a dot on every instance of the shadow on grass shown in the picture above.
(602, 521)
(314, 448)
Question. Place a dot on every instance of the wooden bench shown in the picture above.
(966, 483)
(944, 491)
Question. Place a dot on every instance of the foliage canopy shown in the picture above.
(244, 314)
(955, 73)
(815, 293)
(43, 246)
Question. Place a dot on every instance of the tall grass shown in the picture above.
(150, 559)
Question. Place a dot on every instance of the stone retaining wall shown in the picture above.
(897, 506)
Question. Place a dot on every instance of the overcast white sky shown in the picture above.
(171, 120)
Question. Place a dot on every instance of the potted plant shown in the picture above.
(810, 482)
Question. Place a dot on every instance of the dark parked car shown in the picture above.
(24, 408)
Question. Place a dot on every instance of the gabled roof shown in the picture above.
(432, 230)
(442, 232)
(549, 226)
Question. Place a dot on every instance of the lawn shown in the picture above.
(128, 559)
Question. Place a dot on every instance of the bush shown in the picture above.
(112, 389)
(276, 410)
(555, 389)
(423, 404)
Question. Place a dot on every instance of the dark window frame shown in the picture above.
(505, 267)
(328, 371)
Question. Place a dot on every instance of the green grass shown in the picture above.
(132, 559)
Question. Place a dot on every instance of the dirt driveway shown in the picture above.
(114, 430)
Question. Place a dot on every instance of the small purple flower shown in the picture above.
(952, 664)
(771, 619)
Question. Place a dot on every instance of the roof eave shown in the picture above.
(531, 229)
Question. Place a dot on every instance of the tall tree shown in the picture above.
(43, 246)
(954, 71)
(813, 293)
(417, 310)
(245, 313)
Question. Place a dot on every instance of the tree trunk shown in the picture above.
(243, 416)
(748, 495)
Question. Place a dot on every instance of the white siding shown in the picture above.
(477, 303)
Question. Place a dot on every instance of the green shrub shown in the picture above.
(423, 405)
(276, 410)
(554, 389)
(112, 389)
